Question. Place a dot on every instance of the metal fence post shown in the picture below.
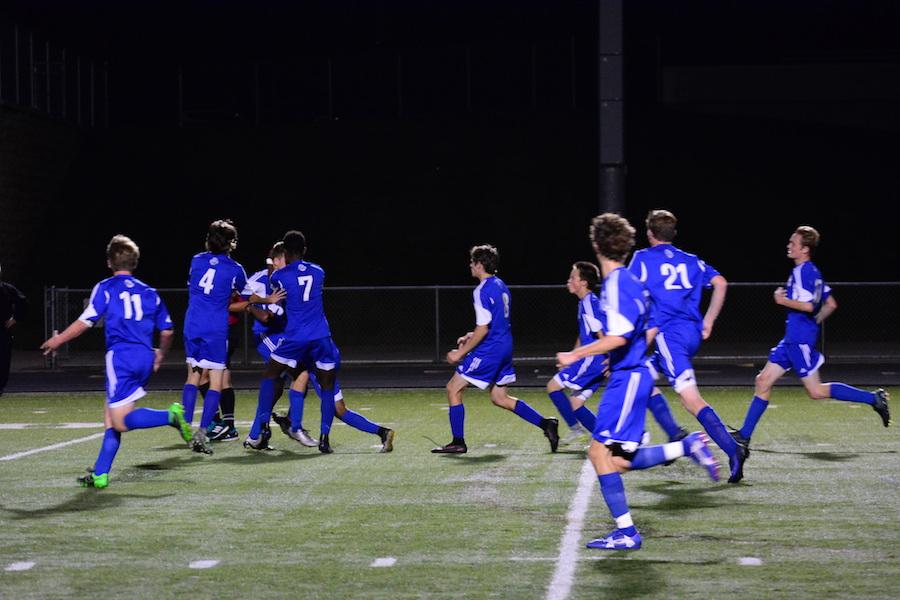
(437, 324)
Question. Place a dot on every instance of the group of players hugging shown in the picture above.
(637, 321)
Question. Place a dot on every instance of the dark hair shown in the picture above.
(809, 237)
(221, 237)
(612, 236)
(589, 273)
(122, 253)
(277, 250)
(294, 245)
(661, 224)
(487, 256)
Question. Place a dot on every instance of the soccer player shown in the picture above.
(13, 308)
(808, 301)
(484, 356)
(584, 376)
(268, 326)
(212, 279)
(132, 310)
(675, 280)
(307, 344)
(619, 426)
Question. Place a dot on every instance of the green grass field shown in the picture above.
(817, 516)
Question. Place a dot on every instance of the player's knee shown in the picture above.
(818, 393)
(552, 386)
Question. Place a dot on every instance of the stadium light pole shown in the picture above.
(610, 107)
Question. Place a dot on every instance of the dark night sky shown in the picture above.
(388, 199)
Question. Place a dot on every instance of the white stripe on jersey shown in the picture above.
(664, 350)
(590, 319)
(89, 311)
(482, 315)
(617, 323)
(800, 294)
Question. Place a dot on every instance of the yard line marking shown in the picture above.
(19, 566)
(749, 561)
(51, 447)
(564, 574)
(387, 561)
(49, 426)
(202, 564)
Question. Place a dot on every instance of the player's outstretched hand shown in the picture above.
(275, 297)
(454, 356)
(51, 345)
(564, 359)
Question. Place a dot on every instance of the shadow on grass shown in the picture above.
(682, 496)
(267, 457)
(468, 459)
(627, 578)
(823, 456)
(86, 500)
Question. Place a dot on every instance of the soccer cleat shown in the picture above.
(200, 443)
(617, 540)
(176, 420)
(551, 432)
(91, 480)
(387, 440)
(216, 427)
(260, 443)
(736, 464)
(576, 433)
(284, 422)
(228, 434)
(451, 448)
(302, 436)
(740, 440)
(697, 445)
(324, 444)
(881, 406)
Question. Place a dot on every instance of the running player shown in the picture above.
(132, 310)
(484, 356)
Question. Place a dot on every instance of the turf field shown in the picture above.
(817, 516)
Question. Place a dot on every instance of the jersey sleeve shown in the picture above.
(254, 286)
(240, 279)
(592, 316)
(163, 319)
(622, 311)
(482, 313)
(709, 273)
(638, 267)
(808, 287)
(96, 306)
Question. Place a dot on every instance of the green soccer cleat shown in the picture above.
(176, 420)
(94, 481)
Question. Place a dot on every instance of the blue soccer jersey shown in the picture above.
(590, 313)
(805, 284)
(211, 280)
(675, 280)
(258, 284)
(492, 303)
(303, 282)
(626, 308)
(131, 308)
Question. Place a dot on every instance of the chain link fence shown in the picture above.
(419, 324)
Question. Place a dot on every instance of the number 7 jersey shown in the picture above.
(303, 283)
(211, 280)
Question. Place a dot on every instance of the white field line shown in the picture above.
(202, 564)
(386, 561)
(51, 447)
(564, 574)
(19, 566)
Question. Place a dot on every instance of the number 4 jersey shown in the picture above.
(675, 280)
(132, 310)
(211, 280)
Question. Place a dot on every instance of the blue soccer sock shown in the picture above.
(108, 449)
(716, 430)
(263, 407)
(145, 418)
(298, 400)
(529, 414)
(659, 407)
(613, 491)
(210, 408)
(561, 401)
(586, 417)
(358, 421)
(848, 393)
(327, 397)
(457, 421)
(188, 399)
(754, 413)
(650, 456)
